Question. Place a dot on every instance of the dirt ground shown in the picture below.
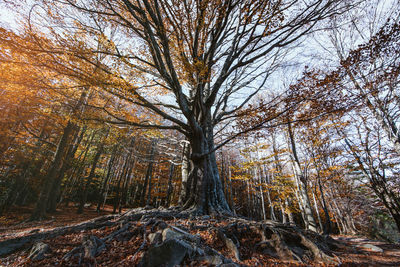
(15, 224)
(356, 255)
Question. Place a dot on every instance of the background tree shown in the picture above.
(200, 55)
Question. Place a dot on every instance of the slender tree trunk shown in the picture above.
(75, 177)
(186, 184)
(261, 190)
(121, 176)
(104, 186)
(317, 211)
(302, 183)
(328, 223)
(290, 214)
(147, 179)
(89, 179)
(232, 199)
(127, 182)
(271, 206)
(170, 188)
(379, 185)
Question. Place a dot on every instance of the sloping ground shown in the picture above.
(364, 252)
(151, 237)
(16, 222)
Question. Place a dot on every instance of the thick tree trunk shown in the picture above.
(208, 198)
(66, 165)
(40, 209)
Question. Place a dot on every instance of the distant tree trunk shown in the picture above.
(328, 223)
(258, 174)
(222, 174)
(149, 175)
(16, 187)
(289, 212)
(380, 186)
(104, 186)
(40, 209)
(301, 180)
(170, 187)
(89, 179)
(231, 197)
(317, 211)
(249, 200)
(147, 179)
(278, 167)
(127, 181)
(121, 176)
(75, 177)
(66, 165)
(281, 204)
(186, 184)
(271, 206)
(29, 169)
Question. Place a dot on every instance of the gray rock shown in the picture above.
(155, 238)
(170, 253)
(174, 232)
(212, 259)
(92, 246)
(229, 244)
(229, 265)
(168, 233)
(38, 251)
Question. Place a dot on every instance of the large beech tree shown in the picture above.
(192, 63)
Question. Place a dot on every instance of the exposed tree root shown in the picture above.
(185, 238)
(11, 245)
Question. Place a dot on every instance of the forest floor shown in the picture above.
(16, 221)
(126, 244)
